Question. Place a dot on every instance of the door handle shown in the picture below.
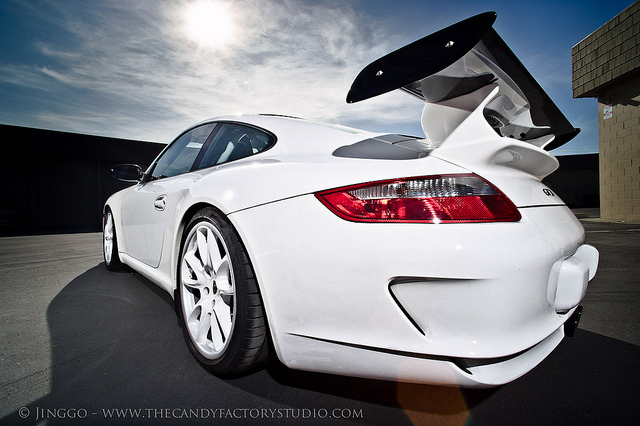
(160, 203)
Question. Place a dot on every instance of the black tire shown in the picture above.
(110, 243)
(217, 298)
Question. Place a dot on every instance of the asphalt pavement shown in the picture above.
(81, 345)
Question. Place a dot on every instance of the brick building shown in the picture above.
(606, 66)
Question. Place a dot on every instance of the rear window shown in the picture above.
(232, 141)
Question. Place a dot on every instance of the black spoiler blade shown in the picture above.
(460, 59)
(420, 59)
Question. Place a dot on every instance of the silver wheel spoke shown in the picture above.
(216, 334)
(192, 317)
(223, 281)
(192, 263)
(203, 328)
(223, 315)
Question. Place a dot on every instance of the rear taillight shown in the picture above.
(429, 199)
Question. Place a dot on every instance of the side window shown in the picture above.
(234, 141)
(179, 157)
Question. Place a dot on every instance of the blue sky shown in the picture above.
(134, 68)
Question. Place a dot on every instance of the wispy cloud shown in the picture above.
(137, 74)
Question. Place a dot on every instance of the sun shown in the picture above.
(209, 23)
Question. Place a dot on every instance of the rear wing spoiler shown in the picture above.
(459, 60)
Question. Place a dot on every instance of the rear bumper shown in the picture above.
(413, 302)
(384, 364)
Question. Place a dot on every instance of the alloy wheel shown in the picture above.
(207, 290)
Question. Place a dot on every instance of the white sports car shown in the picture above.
(438, 260)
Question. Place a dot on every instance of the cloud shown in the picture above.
(129, 69)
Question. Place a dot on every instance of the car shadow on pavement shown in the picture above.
(117, 345)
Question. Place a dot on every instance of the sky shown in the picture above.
(148, 69)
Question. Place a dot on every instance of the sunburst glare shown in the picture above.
(209, 23)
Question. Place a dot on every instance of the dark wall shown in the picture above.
(577, 181)
(57, 181)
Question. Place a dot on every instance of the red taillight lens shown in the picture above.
(430, 199)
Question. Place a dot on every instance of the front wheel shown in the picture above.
(218, 297)
(110, 243)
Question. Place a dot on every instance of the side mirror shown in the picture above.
(127, 172)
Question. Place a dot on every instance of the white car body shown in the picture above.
(468, 304)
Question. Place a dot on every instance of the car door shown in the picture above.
(147, 210)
